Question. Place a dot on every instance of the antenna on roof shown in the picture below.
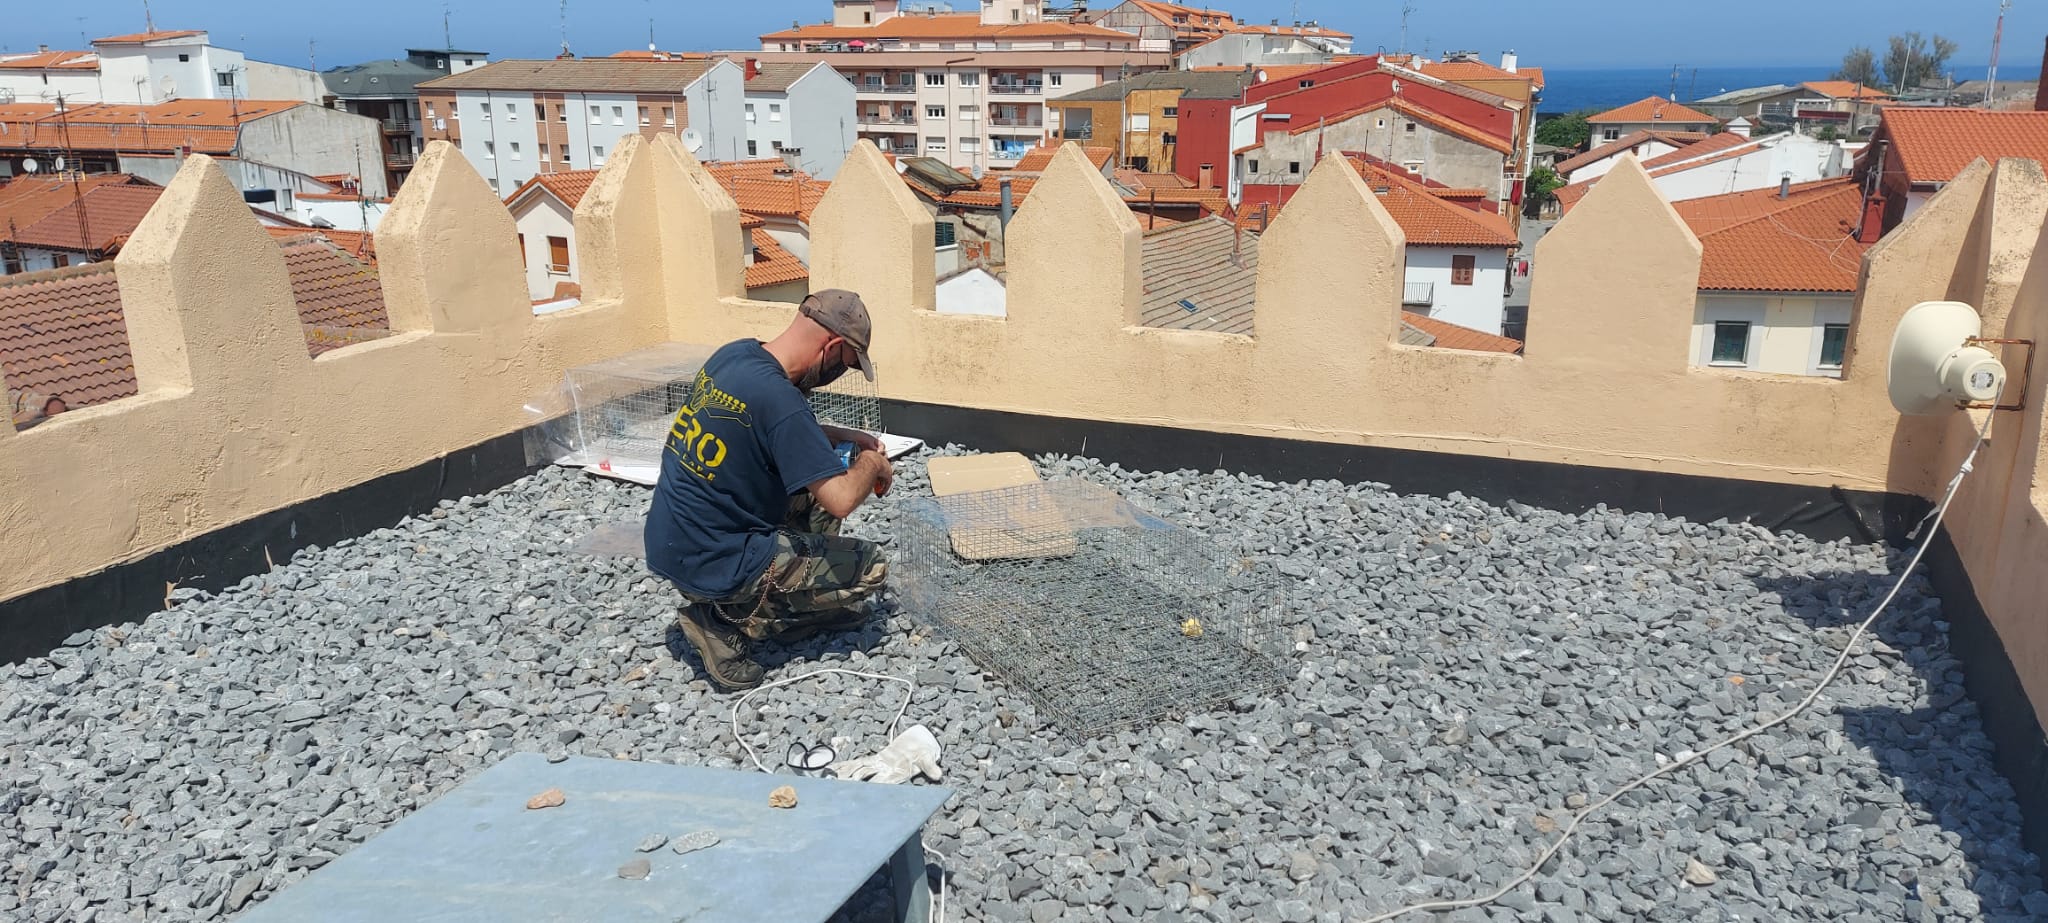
(565, 28)
(650, 33)
(148, 19)
(1406, 9)
(447, 37)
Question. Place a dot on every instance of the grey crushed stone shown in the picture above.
(1459, 669)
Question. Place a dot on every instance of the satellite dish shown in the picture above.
(29, 164)
(1934, 368)
(170, 87)
(693, 140)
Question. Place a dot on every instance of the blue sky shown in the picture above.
(1633, 33)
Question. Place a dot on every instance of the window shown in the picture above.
(668, 114)
(970, 113)
(1610, 134)
(753, 148)
(561, 113)
(565, 153)
(1463, 267)
(597, 156)
(184, 59)
(490, 150)
(1252, 166)
(487, 112)
(543, 153)
(1731, 343)
(934, 79)
(469, 62)
(1168, 139)
(1172, 112)
(618, 115)
(1141, 121)
(644, 120)
(558, 254)
(774, 112)
(511, 113)
(1410, 128)
(1294, 166)
(935, 112)
(970, 145)
(935, 145)
(540, 112)
(944, 234)
(430, 110)
(1305, 84)
(1834, 342)
(60, 260)
(225, 78)
(1016, 15)
(750, 112)
(970, 79)
(522, 251)
(596, 117)
(1052, 80)
(515, 150)
(494, 184)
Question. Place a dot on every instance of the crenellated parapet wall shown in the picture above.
(233, 420)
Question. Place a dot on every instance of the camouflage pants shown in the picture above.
(815, 575)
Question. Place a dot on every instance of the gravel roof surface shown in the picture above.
(1463, 676)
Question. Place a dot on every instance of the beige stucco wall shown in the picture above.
(235, 421)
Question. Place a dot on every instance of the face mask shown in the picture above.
(825, 372)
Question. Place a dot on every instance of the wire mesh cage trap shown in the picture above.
(1105, 615)
(616, 414)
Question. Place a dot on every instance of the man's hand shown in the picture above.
(887, 478)
(861, 440)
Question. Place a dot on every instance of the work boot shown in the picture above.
(723, 648)
(836, 620)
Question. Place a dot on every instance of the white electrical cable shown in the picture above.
(909, 689)
(938, 914)
(1826, 679)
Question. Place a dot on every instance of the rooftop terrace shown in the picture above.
(1463, 676)
(1463, 671)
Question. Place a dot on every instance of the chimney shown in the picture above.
(1005, 206)
(1207, 176)
(1872, 227)
(2041, 89)
(1508, 60)
(1740, 126)
(1785, 186)
(42, 48)
(753, 68)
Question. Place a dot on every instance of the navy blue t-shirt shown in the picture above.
(744, 441)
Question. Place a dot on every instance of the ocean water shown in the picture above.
(1566, 89)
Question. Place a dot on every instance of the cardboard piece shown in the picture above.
(1020, 519)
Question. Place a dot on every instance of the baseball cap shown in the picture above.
(843, 313)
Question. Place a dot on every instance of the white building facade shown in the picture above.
(1458, 285)
(1778, 333)
(149, 68)
(802, 113)
(514, 120)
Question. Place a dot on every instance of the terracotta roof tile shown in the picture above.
(51, 60)
(138, 38)
(772, 264)
(1419, 113)
(1936, 144)
(1316, 31)
(1480, 70)
(1654, 109)
(110, 213)
(1429, 221)
(1679, 139)
(774, 77)
(1760, 243)
(1191, 262)
(575, 75)
(62, 332)
(1039, 158)
(1213, 201)
(567, 186)
(1714, 144)
(1845, 89)
(795, 197)
(1446, 335)
(26, 200)
(1138, 180)
(208, 126)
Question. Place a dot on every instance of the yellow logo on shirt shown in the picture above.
(699, 450)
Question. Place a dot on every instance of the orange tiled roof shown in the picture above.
(1935, 144)
(106, 213)
(749, 222)
(1714, 144)
(1137, 180)
(944, 26)
(208, 126)
(728, 170)
(138, 38)
(26, 200)
(1480, 70)
(772, 264)
(1654, 109)
(1429, 221)
(1214, 201)
(1319, 31)
(1845, 89)
(1761, 243)
(62, 332)
(51, 60)
(1677, 139)
(1194, 21)
(1453, 336)
(795, 197)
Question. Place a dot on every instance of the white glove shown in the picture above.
(914, 752)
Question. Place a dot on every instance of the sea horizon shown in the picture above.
(1570, 88)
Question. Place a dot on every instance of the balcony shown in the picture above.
(398, 126)
(1022, 121)
(1026, 88)
(1084, 133)
(398, 158)
(886, 89)
(1418, 294)
(330, 667)
(888, 120)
